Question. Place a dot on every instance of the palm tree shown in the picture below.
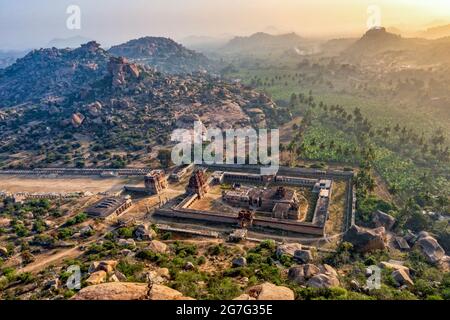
(370, 184)
(332, 144)
(394, 188)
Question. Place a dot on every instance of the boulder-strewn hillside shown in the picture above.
(112, 103)
(164, 55)
(7, 58)
(47, 73)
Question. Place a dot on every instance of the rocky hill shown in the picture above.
(263, 43)
(51, 73)
(375, 41)
(54, 96)
(164, 55)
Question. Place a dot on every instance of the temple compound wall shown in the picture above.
(280, 201)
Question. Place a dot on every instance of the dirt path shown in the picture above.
(43, 262)
(14, 183)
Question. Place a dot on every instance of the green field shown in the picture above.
(422, 119)
(404, 170)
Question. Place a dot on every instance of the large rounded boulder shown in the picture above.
(269, 291)
(430, 248)
(128, 291)
(366, 240)
(113, 291)
(323, 281)
(381, 219)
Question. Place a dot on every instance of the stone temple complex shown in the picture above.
(280, 202)
(292, 201)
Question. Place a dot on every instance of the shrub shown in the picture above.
(187, 283)
(166, 236)
(130, 270)
(44, 240)
(9, 273)
(68, 294)
(77, 219)
(20, 230)
(268, 244)
(27, 257)
(254, 258)
(222, 289)
(152, 256)
(342, 255)
(184, 249)
(26, 277)
(424, 288)
(39, 226)
(269, 273)
(201, 260)
(387, 293)
(216, 250)
(370, 261)
(65, 233)
(125, 232)
(238, 272)
(286, 260)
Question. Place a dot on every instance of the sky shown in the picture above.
(33, 23)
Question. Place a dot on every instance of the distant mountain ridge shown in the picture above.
(72, 42)
(436, 32)
(163, 54)
(377, 42)
(52, 73)
(374, 40)
(7, 58)
(263, 42)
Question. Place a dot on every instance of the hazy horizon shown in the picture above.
(27, 24)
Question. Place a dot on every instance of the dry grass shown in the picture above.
(335, 224)
(13, 183)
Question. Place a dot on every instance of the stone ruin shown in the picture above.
(155, 182)
(246, 218)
